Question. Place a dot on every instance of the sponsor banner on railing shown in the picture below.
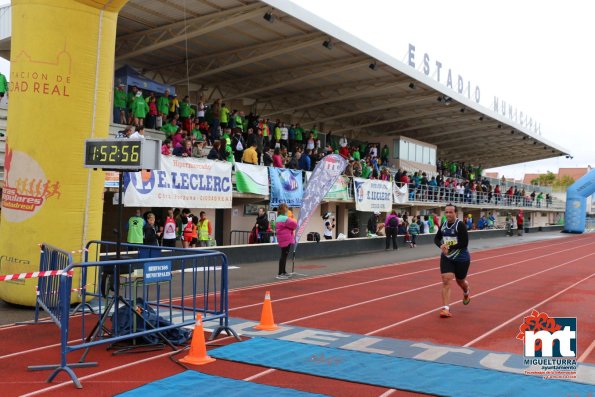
(182, 183)
(339, 190)
(286, 187)
(400, 194)
(252, 179)
(372, 195)
(111, 179)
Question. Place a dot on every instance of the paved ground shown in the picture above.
(264, 272)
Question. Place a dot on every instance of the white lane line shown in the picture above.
(479, 294)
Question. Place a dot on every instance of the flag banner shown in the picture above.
(372, 195)
(286, 187)
(326, 172)
(252, 179)
(182, 183)
(340, 189)
(400, 194)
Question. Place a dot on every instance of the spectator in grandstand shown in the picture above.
(163, 106)
(119, 102)
(238, 144)
(277, 159)
(373, 223)
(214, 153)
(126, 132)
(548, 200)
(491, 221)
(197, 151)
(170, 128)
(150, 231)
(135, 226)
(170, 229)
(311, 143)
(184, 111)
(174, 106)
(267, 158)
(329, 226)
(138, 134)
(452, 239)
(184, 150)
(384, 155)
(304, 162)
(224, 116)
(153, 113)
(291, 134)
(178, 137)
(250, 156)
(166, 148)
(205, 230)
(200, 113)
(293, 163)
(413, 232)
(391, 227)
(285, 227)
(262, 225)
(299, 134)
(284, 135)
(139, 109)
(539, 199)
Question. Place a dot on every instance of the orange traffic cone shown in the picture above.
(198, 350)
(266, 318)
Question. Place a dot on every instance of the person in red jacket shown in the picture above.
(285, 227)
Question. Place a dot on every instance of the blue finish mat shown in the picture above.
(192, 383)
(393, 372)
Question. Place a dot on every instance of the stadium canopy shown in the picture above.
(129, 77)
(285, 62)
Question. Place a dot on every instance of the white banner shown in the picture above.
(252, 179)
(400, 194)
(182, 183)
(372, 195)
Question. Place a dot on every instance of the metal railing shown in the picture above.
(148, 295)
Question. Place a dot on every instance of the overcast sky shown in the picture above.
(536, 55)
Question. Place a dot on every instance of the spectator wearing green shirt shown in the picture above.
(139, 109)
(163, 106)
(135, 227)
(130, 97)
(170, 128)
(185, 108)
(224, 116)
(119, 103)
(299, 134)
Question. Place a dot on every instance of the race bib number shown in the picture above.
(449, 241)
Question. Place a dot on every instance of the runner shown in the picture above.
(452, 238)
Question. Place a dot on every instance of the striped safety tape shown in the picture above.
(20, 276)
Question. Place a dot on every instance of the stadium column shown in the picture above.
(61, 79)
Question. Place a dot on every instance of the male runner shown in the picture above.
(452, 238)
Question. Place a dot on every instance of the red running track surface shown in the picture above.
(397, 301)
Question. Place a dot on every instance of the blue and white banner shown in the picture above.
(373, 195)
(326, 172)
(181, 182)
(286, 187)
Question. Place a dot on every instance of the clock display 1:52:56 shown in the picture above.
(113, 153)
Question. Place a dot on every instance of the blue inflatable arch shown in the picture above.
(576, 203)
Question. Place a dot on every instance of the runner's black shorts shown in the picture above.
(459, 268)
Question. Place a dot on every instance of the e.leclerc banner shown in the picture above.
(326, 172)
(373, 195)
(181, 182)
(286, 187)
(252, 179)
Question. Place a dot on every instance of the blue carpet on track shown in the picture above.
(393, 372)
(192, 383)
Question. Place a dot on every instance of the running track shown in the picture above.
(398, 300)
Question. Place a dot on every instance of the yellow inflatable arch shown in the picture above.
(61, 79)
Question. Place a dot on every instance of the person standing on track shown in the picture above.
(452, 238)
(285, 227)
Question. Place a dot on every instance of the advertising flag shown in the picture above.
(326, 172)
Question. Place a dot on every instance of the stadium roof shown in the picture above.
(279, 65)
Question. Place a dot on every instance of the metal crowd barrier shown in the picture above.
(241, 237)
(146, 298)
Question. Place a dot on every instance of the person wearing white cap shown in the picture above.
(329, 225)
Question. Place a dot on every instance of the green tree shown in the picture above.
(546, 179)
(565, 181)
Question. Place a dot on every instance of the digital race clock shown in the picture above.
(123, 154)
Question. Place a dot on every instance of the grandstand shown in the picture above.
(297, 67)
